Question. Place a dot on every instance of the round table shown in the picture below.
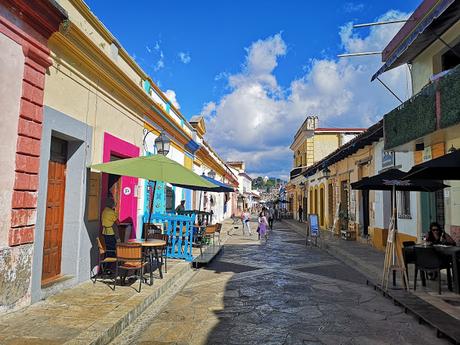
(154, 244)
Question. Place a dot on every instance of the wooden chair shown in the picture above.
(210, 232)
(218, 231)
(164, 237)
(103, 259)
(130, 257)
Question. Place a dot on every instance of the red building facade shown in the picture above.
(25, 27)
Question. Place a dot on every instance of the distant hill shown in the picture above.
(266, 184)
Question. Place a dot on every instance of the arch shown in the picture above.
(321, 206)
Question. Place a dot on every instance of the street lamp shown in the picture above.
(326, 172)
(212, 173)
(162, 144)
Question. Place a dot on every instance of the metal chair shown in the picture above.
(427, 260)
(164, 237)
(130, 257)
(105, 257)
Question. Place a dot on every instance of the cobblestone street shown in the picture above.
(279, 292)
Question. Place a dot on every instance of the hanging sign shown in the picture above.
(127, 191)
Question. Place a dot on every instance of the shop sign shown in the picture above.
(427, 153)
(127, 191)
(388, 159)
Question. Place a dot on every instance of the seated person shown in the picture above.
(181, 207)
(438, 236)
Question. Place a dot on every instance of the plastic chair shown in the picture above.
(408, 254)
(130, 257)
(103, 259)
(427, 260)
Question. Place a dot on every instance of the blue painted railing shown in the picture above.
(180, 233)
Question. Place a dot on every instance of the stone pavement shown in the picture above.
(91, 313)
(369, 261)
(277, 292)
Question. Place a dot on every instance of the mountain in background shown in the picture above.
(266, 183)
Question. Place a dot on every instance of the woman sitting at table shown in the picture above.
(436, 235)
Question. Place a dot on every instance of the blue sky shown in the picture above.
(255, 69)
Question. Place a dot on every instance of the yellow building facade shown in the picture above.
(311, 144)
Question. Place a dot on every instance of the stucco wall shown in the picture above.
(78, 244)
(429, 61)
(11, 72)
(15, 262)
(78, 92)
(324, 144)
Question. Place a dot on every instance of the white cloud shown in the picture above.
(256, 119)
(350, 7)
(160, 63)
(171, 94)
(184, 57)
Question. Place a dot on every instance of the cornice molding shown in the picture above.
(74, 42)
(85, 11)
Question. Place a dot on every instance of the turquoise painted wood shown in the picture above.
(180, 233)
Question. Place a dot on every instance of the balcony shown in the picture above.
(420, 116)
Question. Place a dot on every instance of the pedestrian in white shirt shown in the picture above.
(246, 219)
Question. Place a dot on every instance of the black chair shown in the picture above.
(427, 260)
(408, 252)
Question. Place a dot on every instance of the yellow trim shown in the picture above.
(75, 43)
(85, 11)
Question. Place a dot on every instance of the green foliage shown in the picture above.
(449, 86)
(261, 184)
(413, 119)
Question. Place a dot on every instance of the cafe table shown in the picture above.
(152, 246)
(453, 253)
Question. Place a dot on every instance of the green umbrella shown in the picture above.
(155, 168)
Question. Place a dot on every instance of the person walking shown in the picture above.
(263, 226)
(271, 217)
(300, 213)
(246, 218)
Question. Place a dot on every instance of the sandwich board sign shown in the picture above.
(313, 226)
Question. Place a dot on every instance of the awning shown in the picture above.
(446, 167)
(222, 187)
(394, 178)
(433, 25)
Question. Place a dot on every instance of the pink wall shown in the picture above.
(128, 203)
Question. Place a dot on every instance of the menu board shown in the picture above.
(313, 225)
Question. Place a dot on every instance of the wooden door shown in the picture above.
(54, 218)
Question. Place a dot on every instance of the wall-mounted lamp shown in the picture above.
(212, 173)
(452, 149)
(326, 172)
(162, 144)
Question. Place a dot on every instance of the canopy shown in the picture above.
(446, 167)
(155, 168)
(394, 177)
(217, 186)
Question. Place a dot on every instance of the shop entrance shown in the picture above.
(54, 218)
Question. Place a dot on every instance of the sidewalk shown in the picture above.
(91, 313)
(369, 261)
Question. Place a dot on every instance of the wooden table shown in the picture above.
(154, 244)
